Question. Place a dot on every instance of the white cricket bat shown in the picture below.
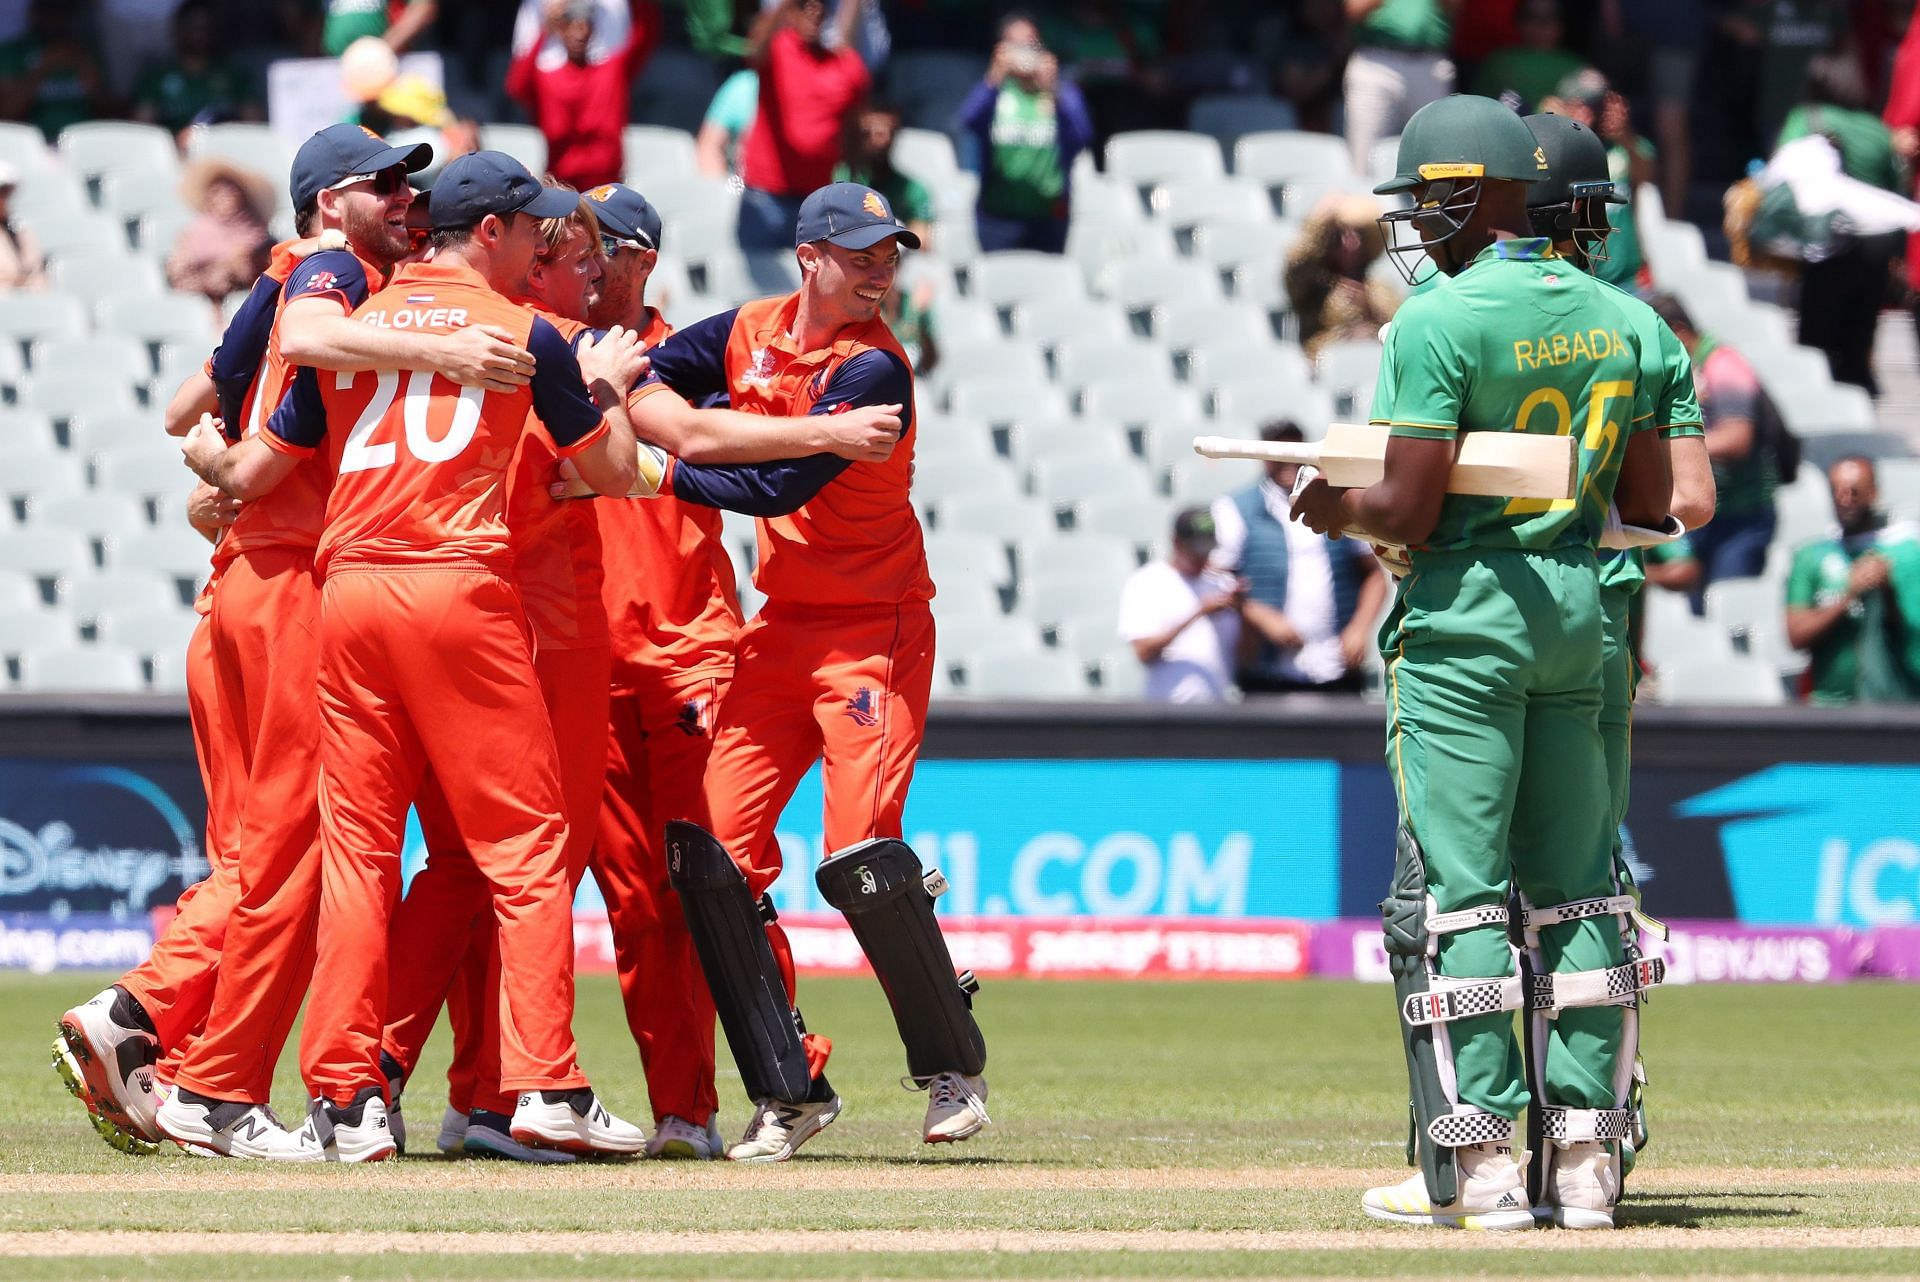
(1507, 464)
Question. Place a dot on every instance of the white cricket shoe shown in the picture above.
(360, 1132)
(489, 1134)
(573, 1121)
(1583, 1185)
(956, 1108)
(396, 1082)
(1493, 1196)
(676, 1137)
(116, 1137)
(226, 1128)
(453, 1131)
(112, 1043)
(779, 1128)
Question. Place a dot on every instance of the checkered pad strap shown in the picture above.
(1451, 999)
(1594, 987)
(1466, 919)
(1457, 1130)
(1582, 1125)
(1578, 910)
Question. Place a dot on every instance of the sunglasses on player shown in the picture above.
(611, 245)
(385, 182)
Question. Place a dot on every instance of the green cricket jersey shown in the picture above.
(1023, 177)
(1520, 341)
(1872, 654)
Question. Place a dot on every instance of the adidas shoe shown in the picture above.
(1582, 1187)
(396, 1082)
(228, 1128)
(76, 1083)
(490, 1134)
(453, 1130)
(778, 1128)
(956, 1108)
(574, 1121)
(676, 1137)
(1493, 1196)
(113, 1043)
(358, 1132)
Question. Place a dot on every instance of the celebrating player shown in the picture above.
(1494, 667)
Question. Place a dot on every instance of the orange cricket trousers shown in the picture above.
(440, 944)
(656, 759)
(266, 651)
(175, 984)
(847, 687)
(432, 666)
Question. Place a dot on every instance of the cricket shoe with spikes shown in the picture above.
(676, 1137)
(778, 1128)
(113, 1044)
(229, 1128)
(358, 1132)
(123, 1141)
(956, 1108)
(1493, 1195)
(490, 1134)
(574, 1121)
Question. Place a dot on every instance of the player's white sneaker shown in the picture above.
(676, 1137)
(116, 1137)
(396, 1082)
(360, 1132)
(573, 1121)
(1583, 1185)
(779, 1128)
(489, 1134)
(225, 1128)
(112, 1042)
(956, 1108)
(453, 1130)
(1493, 1196)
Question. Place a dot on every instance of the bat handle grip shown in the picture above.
(1266, 451)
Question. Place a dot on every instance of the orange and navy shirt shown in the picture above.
(831, 532)
(251, 378)
(421, 464)
(672, 610)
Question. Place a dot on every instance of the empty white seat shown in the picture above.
(1186, 205)
(173, 549)
(957, 555)
(943, 441)
(1349, 371)
(687, 200)
(1120, 674)
(1063, 481)
(1257, 401)
(1227, 116)
(1899, 485)
(652, 150)
(31, 626)
(25, 148)
(92, 277)
(1017, 275)
(104, 358)
(72, 395)
(46, 554)
(96, 434)
(1383, 161)
(48, 197)
(34, 478)
(1670, 632)
(259, 148)
(1045, 438)
(1054, 599)
(1223, 364)
(1098, 556)
(147, 632)
(99, 516)
(1024, 674)
(82, 669)
(19, 592)
(171, 318)
(926, 154)
(156, 230)
(30, 318)
(1294, 160)
(1739, 681)
(1141, 522)
(1049, 322)
(1186, 327)
(144, 471)
(1152, 157)
(1140, 401)
(958, 635)
(524, 143)
(1202, 480)
(1151, 285)
(737, 278)
(96, 147)
(89, 596)
(26, 433)
(1001, 401)
(1091, 361)
(1007, 518)
(997, 358)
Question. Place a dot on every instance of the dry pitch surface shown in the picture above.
(1143, 1130)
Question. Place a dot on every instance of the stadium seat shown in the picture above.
(1294, 163)
(957, 635)
(1085, 363)
(1003, 517)
(1672, 249)
(178, 362)
(741, 278)
(1015, 276)
(1065, 481)
(1899, 486)
(1257, 400)
(999, 358)
(1143, 523)
(1155, 157)
(261, 149)
(1003, 401)
(1278, 364)
(1187, 327)
(89, 596)
(19, 591)
(652, 151)
(156, 230)
(91, 278)
(995, 480)
(955, 556)
(90, 669)
(689, 199)
(31, 318)
(1752, 614)
(928, 85)
(1098, 556)
(150, 472)
(524, 143)
(100, 237)
(181, 319)
(1226, 117)
(172, 548)
(48, 197)
(1744, 682)
(1120, 673)
(29, 625)
(25, 148)
(1348, 372)
(1047, 322)
(95, 148)
(67, 396)
(1140, 401)
(57, 556)
(1035, 439)
(146, 632)
(1058, 600)
(966, 595)
(1099, 250)
(1024, 674)
(1200, 481)
(104, 359)
(928, 155)
(1670, 632)
(1383, 161)
(957, 319)
(1184, 206)
(1144, 289)
(1167, 442)
(26, 433)
(943, 441)
(13, 370)
(1235, 244)
(101, 517)
(29, 480)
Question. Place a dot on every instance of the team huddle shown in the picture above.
(418, 603)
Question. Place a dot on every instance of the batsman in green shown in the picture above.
(1494, 677)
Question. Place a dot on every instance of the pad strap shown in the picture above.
(1459, 1129)
(1578, 910)
(1450, 999)
(1467, 919)
(1585, 1125)
(1594, 987)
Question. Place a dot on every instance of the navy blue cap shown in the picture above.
(850, 215)
(492, 182)
(625, 213)
(341, 151)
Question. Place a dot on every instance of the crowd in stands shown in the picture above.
(988, 127)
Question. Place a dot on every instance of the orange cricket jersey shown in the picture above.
(421, 464)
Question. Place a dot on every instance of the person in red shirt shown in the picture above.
(808, 88)
(581, 105)
(837, 665)
(414, 558)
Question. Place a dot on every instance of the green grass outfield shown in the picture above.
(1142, 1130)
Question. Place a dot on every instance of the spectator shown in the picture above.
(1664, 38)
(1309, 60)
(21, 263)
(716, 148)
(1589, 98)
(808, 87)
(1533, 69)
(1183, 619)
(581, 105)
(869, 162)
(1734, 544)
(196, 81)
(1399, 65)
(1326, 273)
(1853, 599)
(1311, 602)
(49, 77)
(1841, 292)
(1030, 124)
(226, 245)
(397, 24)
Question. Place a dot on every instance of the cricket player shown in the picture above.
(838, 665)
(1494, 653)
(414, 556)
(1569, 207)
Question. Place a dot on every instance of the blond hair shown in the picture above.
(553, 231)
